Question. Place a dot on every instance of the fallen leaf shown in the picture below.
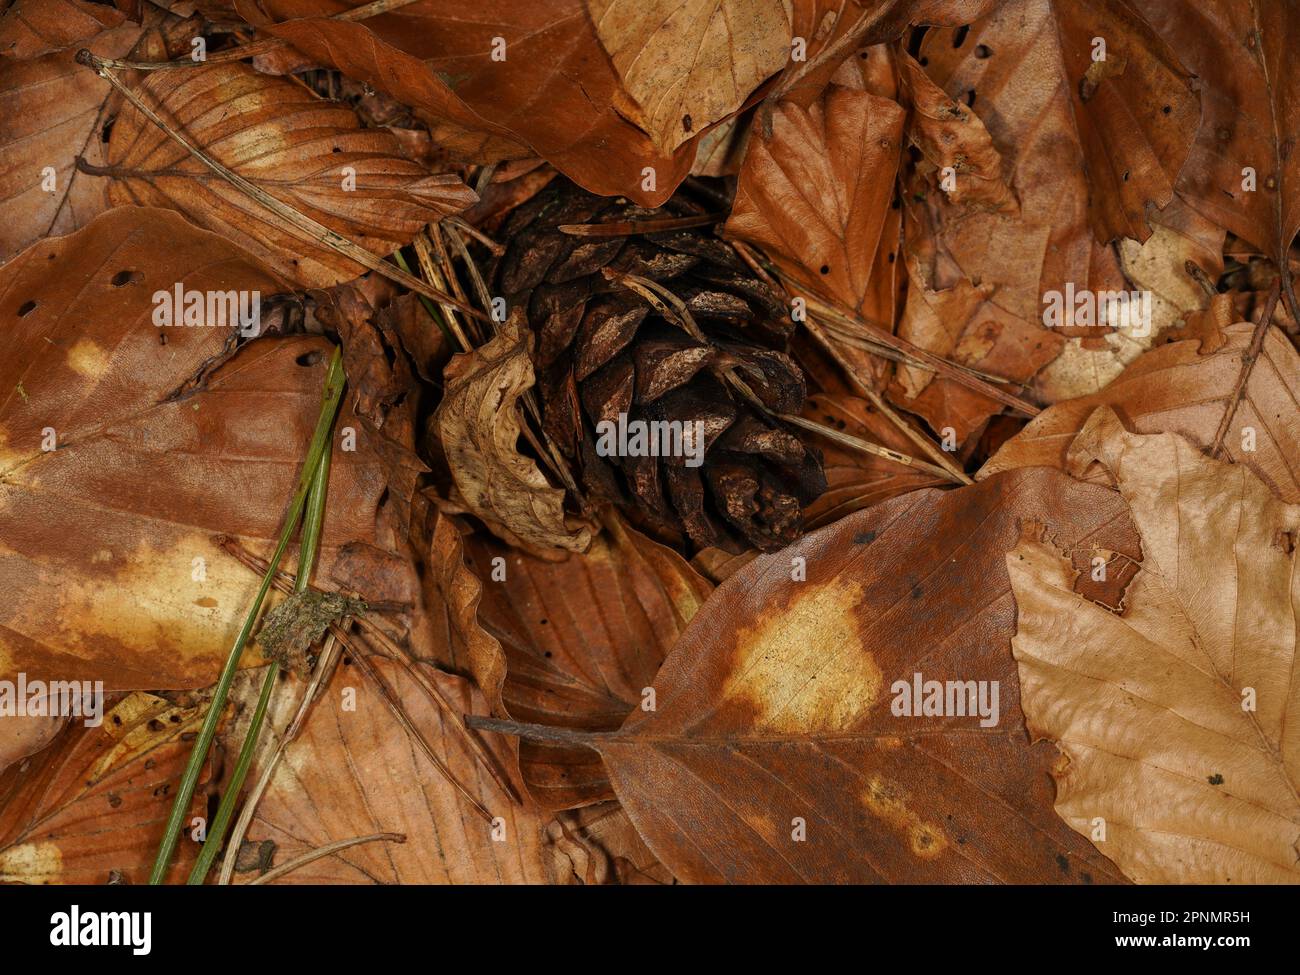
(549, 83)
(814, 195)
(855, 479)
(106, 551)
(32, 28)
(53, 110)
(1175, 389)
(305, 151)
(353, 771)
(688, 65)
(91, 808)
(479, 425)
(1250, 90)
(572, 644)
(775, 754)
(1172, 716)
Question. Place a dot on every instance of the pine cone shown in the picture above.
(610, 359)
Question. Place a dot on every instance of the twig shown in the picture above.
(323, 851)
(867, 447)
(1247, 364)
(310, 229)
(627, 228)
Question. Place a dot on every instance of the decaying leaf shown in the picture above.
(574, 643)
(32, 28)
(353, 771)
(93, 804)
(777, 752)
(53, 110)
(688, 65)
(1176, 389)
(520, 73)
(1176, 717)
(307, 152)
(117, 467)
(479, 425)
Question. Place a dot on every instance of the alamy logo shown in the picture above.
(53, 699)
(946, 699)
(213, 309)
(71, 929)
(1127, 311)
(653, 438)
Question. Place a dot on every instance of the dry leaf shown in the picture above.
(774, 710)
(550, 84)
(855, 479)
(1173, 716)
(91, 808)
(688, 65)
(307, 152)
(51, 111)
(479, 425)
(1240, 51)
(32, 28)
(815, 195)
(1175, 389)
(354, 771)
(573, 643)
(108, 560)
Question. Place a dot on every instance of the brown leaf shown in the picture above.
(576, 643)
(106, 551)
(1250, 89)
(1175, 389)
(688, 65)
(1086, 154)
(774, 710)
(815, 194)
(353, 771)
(478, 421)
(91, 808)
(1173, 716)
(951, 136)
(854, 479)
(599, 845)
(53, 110)
(555, 88)
(303, 150)
(32, 28)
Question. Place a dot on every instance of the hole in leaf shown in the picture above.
(26, 308)
(959, 35)
(121, 278)
(983, 51)
(308, 359)
(826, 269)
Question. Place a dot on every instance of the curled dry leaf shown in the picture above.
(774, 711)
(305, 151)
(1176, 389)
(32, 28)
(1177, 716)
(599, 845)
(688, 65)
(353, 771)
(90, 809)
(117, 467)
(953, 140)
(478, 421)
